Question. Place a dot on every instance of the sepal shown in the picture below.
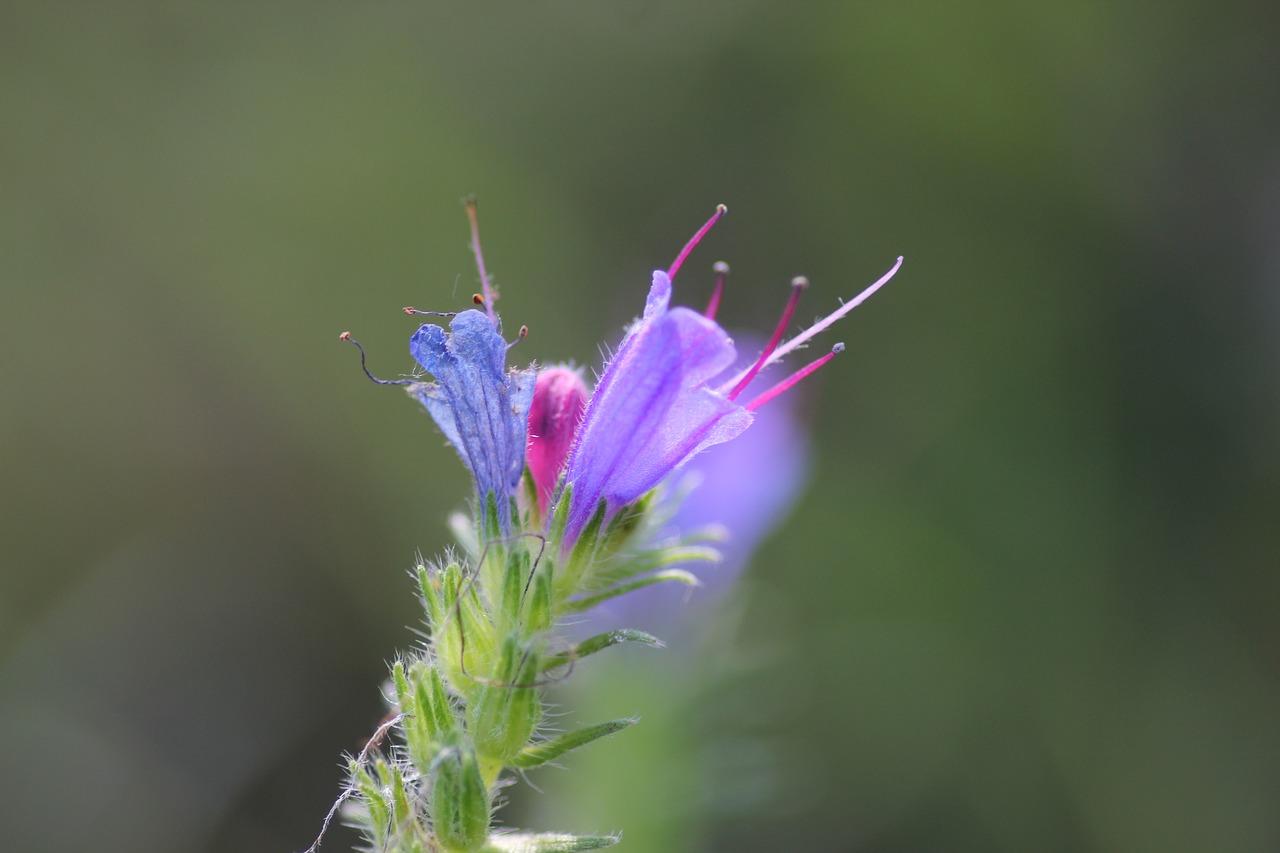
(515, 580)
(429, 721)
(588, 542)
(560, 513)
(541, 600)
(460, 628)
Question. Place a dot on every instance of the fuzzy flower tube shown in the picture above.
(569, 512)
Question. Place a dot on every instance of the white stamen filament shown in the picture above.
(816, 329)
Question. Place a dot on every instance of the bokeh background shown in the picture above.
(1029, 600)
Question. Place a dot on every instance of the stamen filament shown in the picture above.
(346, 338)
(722, 274)
(490, 295)
(410, 310)
(791, 380)
(798, 284)
(823, 324)
(688, 247)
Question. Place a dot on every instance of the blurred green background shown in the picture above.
(1029, 601)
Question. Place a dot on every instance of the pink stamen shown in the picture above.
(490, 295)
(820, 326)
(791, 380)
(798, 284)
(688, 247)
(713, 305)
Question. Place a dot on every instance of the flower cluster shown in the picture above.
(568, 513)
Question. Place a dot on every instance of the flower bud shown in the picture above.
(507, 709)
(464, 643)
(558, 400)
(460, 802)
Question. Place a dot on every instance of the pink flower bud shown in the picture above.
(558, 399)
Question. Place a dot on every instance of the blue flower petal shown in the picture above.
(481, 409)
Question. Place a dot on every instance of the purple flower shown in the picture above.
(653, 408)
(481, 408)
(658, 402)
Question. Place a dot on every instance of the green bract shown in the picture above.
(468, 706)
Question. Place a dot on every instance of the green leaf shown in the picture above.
(658, 558)
(549, 842)
(598, 643)
(578, 605)
(549, 750)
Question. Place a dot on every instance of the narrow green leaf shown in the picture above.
(598, 643)
(549, 750)
(578, 605)
(658, 558)
(549, 842)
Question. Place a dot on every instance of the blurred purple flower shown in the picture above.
(748, 487)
